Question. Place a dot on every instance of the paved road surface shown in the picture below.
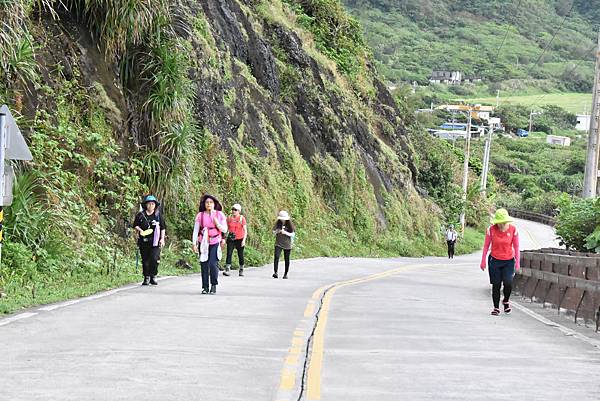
(394, 329)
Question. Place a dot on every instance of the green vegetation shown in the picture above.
(509, 44)
(337, 34)
(533, 175)
(573, 102)
(186, 115)
(578, 224)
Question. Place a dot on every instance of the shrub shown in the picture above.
(576, 221)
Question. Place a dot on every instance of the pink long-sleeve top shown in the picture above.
(504, 245)
(204, 220)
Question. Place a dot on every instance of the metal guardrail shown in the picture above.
(537, 217)
(566, 280)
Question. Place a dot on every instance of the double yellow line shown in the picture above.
(315, 361)
(313, 380)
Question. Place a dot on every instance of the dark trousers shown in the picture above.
(150, 260)
(451, 248)
(210, 268)
(231, 245)
(501, 273)
(286, 256)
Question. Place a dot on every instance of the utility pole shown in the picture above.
(465, 185)
(530, 120)
(486, 160)
(590, 177)
(3, 132)
(497, 98)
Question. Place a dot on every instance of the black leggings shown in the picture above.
(501, 272)
(286, 256)
(496, 293)
(150, 260)
(450, 248)
(231, 245)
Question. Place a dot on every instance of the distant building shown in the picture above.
(558, 140)
(451, 78)
(484, 115)
(495, 123)
(446, 77)
(471, 80)
(452, 134)
(583, 122)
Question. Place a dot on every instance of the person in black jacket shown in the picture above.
(150, 226)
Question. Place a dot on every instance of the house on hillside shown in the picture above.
(451, 78)
(471, 80)
(558, 140)
(446, 77)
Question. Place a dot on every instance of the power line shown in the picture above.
(577, 65)
(506, 34)
(553, 36)
(548, 46)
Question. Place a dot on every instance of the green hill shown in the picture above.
(514, 45)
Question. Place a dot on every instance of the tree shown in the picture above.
(513, 117)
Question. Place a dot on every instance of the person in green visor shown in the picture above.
(501, 252)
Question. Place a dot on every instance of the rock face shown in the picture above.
(320, 115)
(279, 122)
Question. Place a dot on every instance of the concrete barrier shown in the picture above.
(566, 280)
(537, 217)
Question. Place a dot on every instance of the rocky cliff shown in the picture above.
(273, 104)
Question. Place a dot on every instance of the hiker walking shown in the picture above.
(285, 232)
(150, 226)
(451, 236)
(236, 238)
(503, 260)
(209, 226)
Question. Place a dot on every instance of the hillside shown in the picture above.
(515, 45)
(258, 102)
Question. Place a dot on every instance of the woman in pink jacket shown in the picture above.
(503, 260)
(209, 227)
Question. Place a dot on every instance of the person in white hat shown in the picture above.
(285, 232)
(236, 239)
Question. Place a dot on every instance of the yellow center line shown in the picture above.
(288, 379)
(535, 243)
(291, 366)
(313, 382)
(310, 309)
(317, 294)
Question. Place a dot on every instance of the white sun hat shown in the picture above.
(283, 215)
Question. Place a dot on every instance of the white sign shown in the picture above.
(16, 148)
(12, 147)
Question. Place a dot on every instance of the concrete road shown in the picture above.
(393, 329)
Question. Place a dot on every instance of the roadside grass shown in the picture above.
(57, 289)
(573, 102)
(471, 242)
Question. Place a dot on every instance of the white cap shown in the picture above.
(283, 215)
(237, 207)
